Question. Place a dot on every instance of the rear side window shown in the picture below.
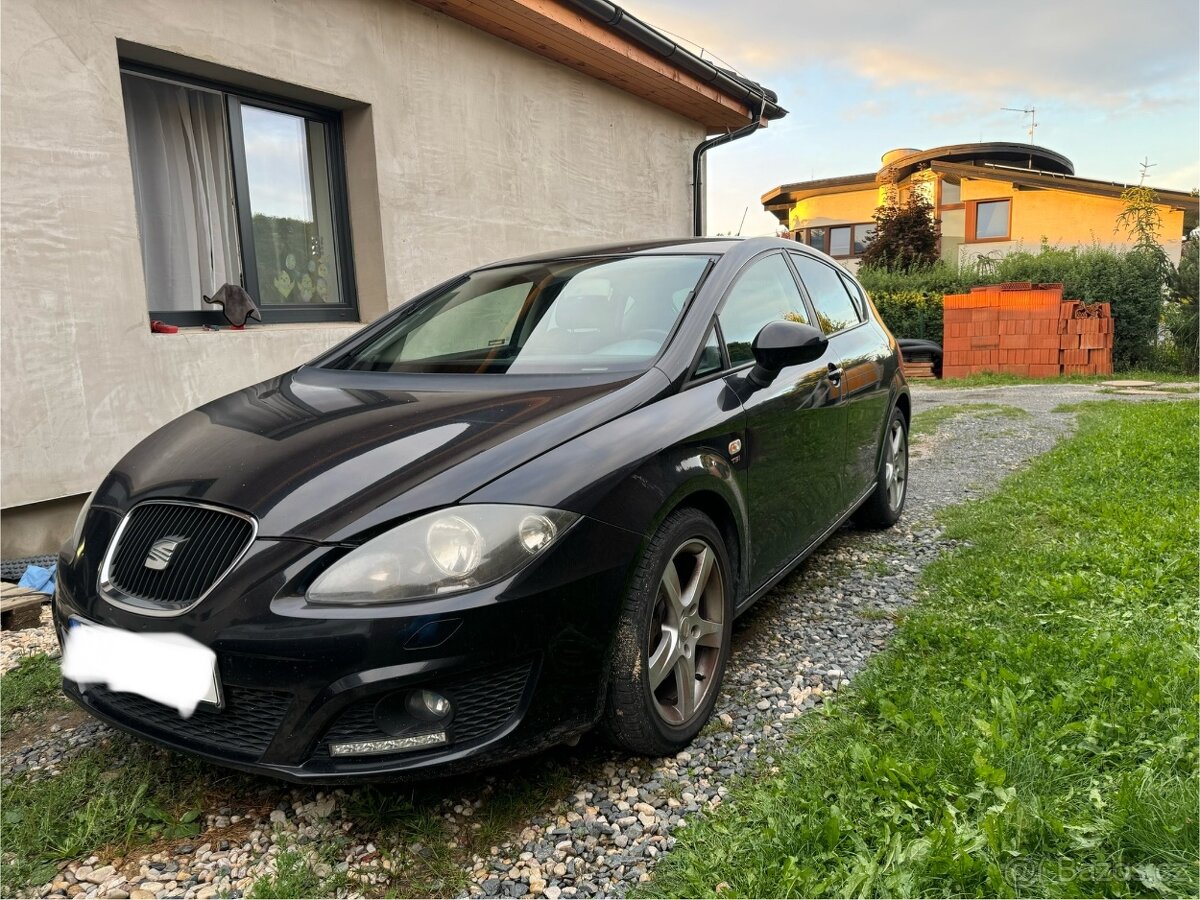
(856, 294)
(830, 297)
(764, 292)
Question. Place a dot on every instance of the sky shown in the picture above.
(1113, 83)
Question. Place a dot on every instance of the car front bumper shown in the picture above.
(524, 664)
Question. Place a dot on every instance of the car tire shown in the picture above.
(883, 507)
(669, 628)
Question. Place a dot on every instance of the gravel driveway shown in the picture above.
(604, 832)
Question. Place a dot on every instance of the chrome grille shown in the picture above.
(203, 541)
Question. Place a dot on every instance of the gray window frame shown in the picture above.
(233, 97)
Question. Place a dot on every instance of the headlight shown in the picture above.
(444, 552)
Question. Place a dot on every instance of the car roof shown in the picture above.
(714, 246)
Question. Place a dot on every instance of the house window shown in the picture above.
(816, 238)
(951, 193)
(989, 220)
(839, 241)
(237, 188)
(862, 237)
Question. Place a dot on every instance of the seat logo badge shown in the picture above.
(162, 552)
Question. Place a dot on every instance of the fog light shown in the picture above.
(428, 706)
(390, 745)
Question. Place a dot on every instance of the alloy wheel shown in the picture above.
(684, 645)
(895, 469)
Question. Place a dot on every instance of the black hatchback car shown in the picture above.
(527, 503)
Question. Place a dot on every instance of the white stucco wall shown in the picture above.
(476, 149)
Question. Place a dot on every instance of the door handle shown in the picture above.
(835, 374)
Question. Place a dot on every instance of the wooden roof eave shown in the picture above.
(549, 29)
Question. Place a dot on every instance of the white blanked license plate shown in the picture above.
(169, 668)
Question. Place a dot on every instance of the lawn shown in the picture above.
(990, 379)
(1032, 728)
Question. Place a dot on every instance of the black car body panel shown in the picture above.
(325, 459)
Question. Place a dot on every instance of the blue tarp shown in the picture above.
(38, 579)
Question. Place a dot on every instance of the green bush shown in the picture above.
(1181, 315)
(940, 278)
(911, 314)
(1132, 282)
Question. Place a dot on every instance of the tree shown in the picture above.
(906, 236)
(1183, 314)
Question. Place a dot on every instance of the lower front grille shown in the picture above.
(242, 730)
(483, 703)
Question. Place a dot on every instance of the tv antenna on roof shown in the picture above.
(1029, 111)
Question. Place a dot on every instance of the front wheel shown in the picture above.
(883, 507)
(673, 638)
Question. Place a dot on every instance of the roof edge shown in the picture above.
(733, 85)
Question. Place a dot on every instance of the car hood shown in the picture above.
(329, 455)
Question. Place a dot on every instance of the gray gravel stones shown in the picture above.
(797, 647)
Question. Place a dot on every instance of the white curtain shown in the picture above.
(183, 186)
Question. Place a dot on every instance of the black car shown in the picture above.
(527, 503)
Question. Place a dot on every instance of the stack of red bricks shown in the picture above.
(1024, 329)
(1086, 338)
(1002, 328)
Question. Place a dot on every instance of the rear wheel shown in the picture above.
(883, 508)
(672, 639)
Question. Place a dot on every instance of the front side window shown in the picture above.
(764, 292)
(710, 356)
(565, 317)
(835, 309)
(240, 190)
(991, 220)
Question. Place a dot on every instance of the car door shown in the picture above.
(795, 427)
(857, 346)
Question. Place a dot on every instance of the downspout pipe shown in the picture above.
(698, 160)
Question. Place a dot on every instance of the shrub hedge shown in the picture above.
(1133, 282)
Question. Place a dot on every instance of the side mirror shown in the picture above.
(781, 344)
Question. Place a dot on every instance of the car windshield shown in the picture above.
(570, 317)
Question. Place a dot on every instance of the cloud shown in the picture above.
(1099, 53)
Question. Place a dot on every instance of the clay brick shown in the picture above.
(1043, 371)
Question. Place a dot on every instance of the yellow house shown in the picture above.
(991, 199)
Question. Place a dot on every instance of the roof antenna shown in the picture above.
(1145, 165)
(1029, 111)
(1033, 123)
(743, 222)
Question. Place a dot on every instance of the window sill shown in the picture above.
(272, 328)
